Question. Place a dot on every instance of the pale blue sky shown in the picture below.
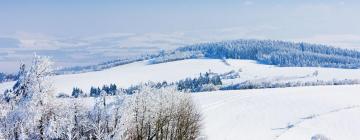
(77, 32)
(89, 17)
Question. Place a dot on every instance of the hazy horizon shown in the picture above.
(85, 29)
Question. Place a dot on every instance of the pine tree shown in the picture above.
(77, 93)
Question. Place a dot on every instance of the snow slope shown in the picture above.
(263, 114)
(287, 113)
(135, 73)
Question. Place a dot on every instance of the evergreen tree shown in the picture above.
(77, 92)
(95, 92)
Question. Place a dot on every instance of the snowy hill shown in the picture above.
(272, 52)
(279, 53)
(282, 114)
(137, 72)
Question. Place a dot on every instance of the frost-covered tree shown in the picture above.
(104, 120)
(99, 117)
(31, 102)
(161, 114)
(19, 89)
(151, 112)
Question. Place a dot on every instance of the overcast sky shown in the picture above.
(38, 25)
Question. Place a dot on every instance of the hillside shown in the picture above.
(137, 72)
(277, 113)
(280, 53)
(282, 114)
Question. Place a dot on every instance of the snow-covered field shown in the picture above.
(261, 114)
(283, 114)
(135, 73)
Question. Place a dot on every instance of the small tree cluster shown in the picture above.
(95, 92)
(77, 92)
(202, 83)
(109, 90)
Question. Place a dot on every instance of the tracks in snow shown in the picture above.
(291, 125)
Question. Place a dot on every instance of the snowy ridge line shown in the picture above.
(293, 125)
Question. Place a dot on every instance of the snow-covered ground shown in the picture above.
(283, 114)
(262, 114)
(135, 73)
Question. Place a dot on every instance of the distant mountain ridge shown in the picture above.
(271, 52)
(280, 53)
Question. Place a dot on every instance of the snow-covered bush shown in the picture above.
(161, 114)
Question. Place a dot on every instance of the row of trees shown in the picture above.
(205, 82)
(260, 85)
(7, 77)
(109, 90)
(32, 112)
